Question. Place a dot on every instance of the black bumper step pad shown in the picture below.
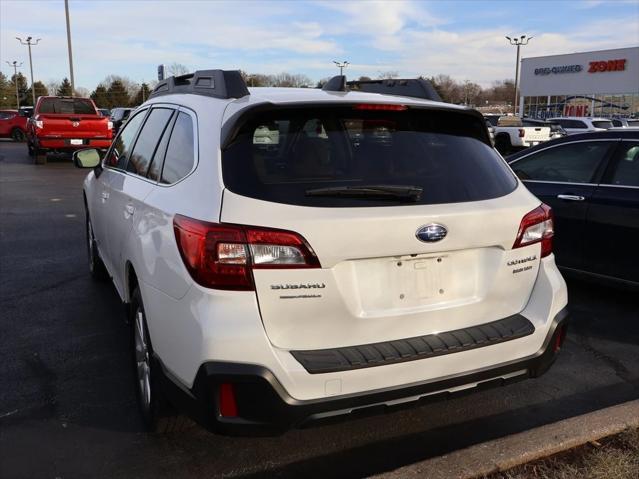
(411, 349)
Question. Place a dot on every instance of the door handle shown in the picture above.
(129, 210)
(571, 197)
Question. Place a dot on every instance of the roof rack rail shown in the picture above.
(411, 87)
(222, 84)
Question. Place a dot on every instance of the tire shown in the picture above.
(158, 415)
(30, 149)
(503, 145)
(18, 135)
(97, 270)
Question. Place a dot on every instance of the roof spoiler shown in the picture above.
(411, 87)
(222, 84)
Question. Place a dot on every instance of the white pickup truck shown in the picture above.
(510, 135)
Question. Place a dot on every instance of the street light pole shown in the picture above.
(15, 66)
(518, 42)
(341, 66)
(29, 44)
(66, 11)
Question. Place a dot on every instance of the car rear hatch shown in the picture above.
(71, 118)
(409, 214)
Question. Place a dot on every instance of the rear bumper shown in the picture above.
(264, 407)
(65, 143)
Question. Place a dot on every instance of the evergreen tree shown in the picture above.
(100, 97)
(65, 88)
(40, 90)
(7, 95)
(142, 95)
(22, 90)
(118, 95)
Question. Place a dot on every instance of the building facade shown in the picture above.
(602, 83)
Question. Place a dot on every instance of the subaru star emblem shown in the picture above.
(75, 123)
(431, 233)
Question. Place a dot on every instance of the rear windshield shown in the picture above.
(602, 124)
(281, 155)
(76, 106)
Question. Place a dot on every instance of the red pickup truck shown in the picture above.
(64, 124)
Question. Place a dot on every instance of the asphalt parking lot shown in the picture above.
(67, 404)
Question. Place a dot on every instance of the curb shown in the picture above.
(510, 451)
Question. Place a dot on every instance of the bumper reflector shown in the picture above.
(228, 404)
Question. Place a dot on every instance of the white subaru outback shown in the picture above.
(292, 255)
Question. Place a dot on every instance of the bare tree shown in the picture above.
(176, 69)
(52, 86)
(285, 79)
(388, 75)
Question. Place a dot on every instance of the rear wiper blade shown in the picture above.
(398, 192)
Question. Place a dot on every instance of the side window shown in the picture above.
(148, 140)
(579, 124)
(616, 122)
(155, 170)
(572, 163)
(180, 156)
(626, 163)
(123, 144)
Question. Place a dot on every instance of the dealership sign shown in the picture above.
(559, 69)
(607, 66)
(594, 67)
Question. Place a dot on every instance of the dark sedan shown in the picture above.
(591, 181)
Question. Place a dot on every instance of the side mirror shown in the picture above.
(88, 158)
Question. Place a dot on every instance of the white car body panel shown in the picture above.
(190, 324)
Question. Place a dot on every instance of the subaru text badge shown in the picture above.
(431, 233)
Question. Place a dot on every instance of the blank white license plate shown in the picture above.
(75, 142)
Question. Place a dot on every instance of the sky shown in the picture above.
(464, 39)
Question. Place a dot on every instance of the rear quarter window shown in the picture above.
(180, 155)
(280, 155)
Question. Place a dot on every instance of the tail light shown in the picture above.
(378, 107)
(222, 256)
(537, 227)
(522, 133)
(109, 125)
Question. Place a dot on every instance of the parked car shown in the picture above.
(269, 288)
(625, 122)
(64, 124)
(556, 130)
(578, 124)
(26, 111)
(104, 112)
(119, 116)
(591, 181)
(492, 118)
(511, 135)
(491, 132)
(13, 125)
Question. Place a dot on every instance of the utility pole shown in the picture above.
(15, 66)
(341, 66)
(518, 42)
(29, 44)
(66, 11)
